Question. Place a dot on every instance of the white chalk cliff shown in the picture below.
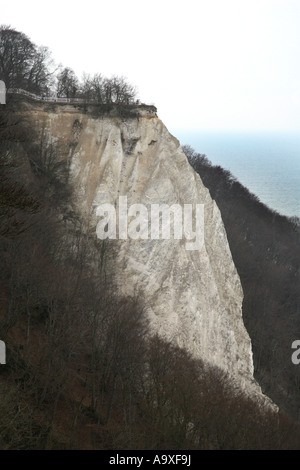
(192, 297)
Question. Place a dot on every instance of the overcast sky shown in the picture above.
(205, 64)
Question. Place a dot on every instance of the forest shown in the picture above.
(265, 250)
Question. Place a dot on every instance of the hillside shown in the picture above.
(101, 353)
(265, 249)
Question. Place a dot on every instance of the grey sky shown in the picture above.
(210, 64)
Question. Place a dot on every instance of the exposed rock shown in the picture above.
(192, 297)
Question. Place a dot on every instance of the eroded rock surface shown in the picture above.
(192, 297)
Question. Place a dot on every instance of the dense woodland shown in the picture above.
(265, 250)
(83, 370)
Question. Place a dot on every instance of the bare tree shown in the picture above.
(92, 88)
(67, 83)
(22, 63)
(40, 78)
(118, 90)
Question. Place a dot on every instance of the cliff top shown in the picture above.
(133, 109)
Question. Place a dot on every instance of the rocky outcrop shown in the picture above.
(192, 297)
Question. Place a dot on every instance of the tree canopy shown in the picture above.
(25, 65)
(22, 63)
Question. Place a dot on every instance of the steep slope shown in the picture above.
(265, 250)
(192, 297)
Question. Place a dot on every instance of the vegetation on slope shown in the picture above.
(82, 370)
(265, 250)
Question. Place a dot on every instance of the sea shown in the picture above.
(267, 163)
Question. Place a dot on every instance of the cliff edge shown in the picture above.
(193, 297)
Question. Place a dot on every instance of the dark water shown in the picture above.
(268, 164)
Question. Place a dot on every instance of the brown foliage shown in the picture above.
(265, 250)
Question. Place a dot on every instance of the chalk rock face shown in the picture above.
(193, 297)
